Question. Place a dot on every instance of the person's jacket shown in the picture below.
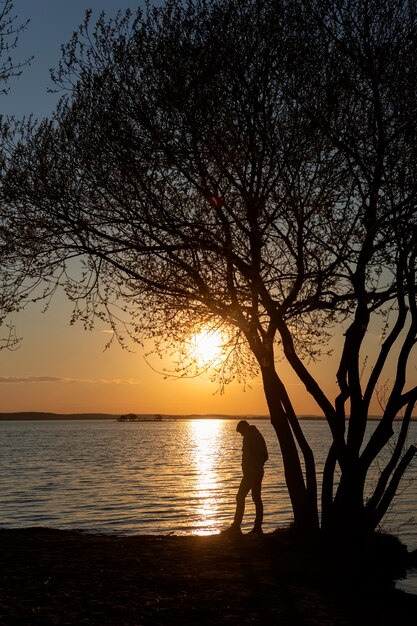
(254, 451)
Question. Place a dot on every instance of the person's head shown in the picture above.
(242, 427)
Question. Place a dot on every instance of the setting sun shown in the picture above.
(207, 347)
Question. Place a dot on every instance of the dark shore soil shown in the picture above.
(58, 577)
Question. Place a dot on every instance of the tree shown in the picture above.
(9, 35)
(9, 68)
(248, 165)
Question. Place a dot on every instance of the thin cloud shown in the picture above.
(59, 379)
(32, 379)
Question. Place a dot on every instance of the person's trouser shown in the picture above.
(253, 483)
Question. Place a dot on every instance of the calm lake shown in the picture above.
(153, 478)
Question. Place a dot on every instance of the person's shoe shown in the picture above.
(256, 531)
(232, 531)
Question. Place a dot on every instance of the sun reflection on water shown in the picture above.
(206, 448)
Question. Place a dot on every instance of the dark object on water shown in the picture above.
(132, 417)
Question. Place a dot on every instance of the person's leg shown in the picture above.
(257, 499)
(243, 491)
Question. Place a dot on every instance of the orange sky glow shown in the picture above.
(65, 369)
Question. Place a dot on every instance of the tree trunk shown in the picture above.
(349, 514)
(327, 488)
(304, 509)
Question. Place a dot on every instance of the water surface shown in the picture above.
(152, 477)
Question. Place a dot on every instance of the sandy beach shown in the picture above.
(59, 577)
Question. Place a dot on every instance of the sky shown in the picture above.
(65, 369)
(62, 368)
(51, 25)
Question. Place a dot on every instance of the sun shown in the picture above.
(206, 347)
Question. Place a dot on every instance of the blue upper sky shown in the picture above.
(52, 23)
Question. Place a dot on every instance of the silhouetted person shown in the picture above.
(254, 456)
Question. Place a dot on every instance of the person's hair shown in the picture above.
(242, 426)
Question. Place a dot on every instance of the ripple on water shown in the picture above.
(159, 477)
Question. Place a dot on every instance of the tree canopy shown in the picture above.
(249, 165)
(10, 30)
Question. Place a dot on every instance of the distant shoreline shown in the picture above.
(145, 417)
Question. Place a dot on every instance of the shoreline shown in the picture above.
(64, 577)
(142, 417)
(148, 417)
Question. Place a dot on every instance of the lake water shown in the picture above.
(153, 478)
